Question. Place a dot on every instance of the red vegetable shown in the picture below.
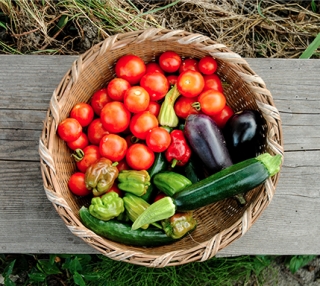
(179, 152)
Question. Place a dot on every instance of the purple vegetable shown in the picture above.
(207, 141)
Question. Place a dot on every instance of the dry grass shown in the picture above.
(267, 28)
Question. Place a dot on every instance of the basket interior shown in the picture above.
(95, 74)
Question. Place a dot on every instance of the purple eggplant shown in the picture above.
(207, 141)
(244, 135)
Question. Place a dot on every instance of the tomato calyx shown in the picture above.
(78, 155)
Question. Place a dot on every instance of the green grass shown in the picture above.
(100, 270)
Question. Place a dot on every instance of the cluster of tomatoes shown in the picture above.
(120, 121)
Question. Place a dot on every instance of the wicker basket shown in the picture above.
(218, 224)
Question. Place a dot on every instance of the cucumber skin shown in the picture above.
(120, 232)
(238, 178)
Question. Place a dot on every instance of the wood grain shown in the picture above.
(30, 224)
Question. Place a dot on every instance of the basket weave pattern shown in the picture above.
(218, 224)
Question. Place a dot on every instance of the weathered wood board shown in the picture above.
(30, 224)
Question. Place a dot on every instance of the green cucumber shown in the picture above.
(160, 164)
(235, 179)
(121, 232)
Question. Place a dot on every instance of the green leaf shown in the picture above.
(314, 6)
(3, 25)
(8, 270)
(78, 280)
(299, 261)
(37, 277)
(73, 265)
(259, 9)
(47, 268)
(307, 54)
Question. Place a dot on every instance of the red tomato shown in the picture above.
(223, 116)
(172, 79)
(153, 67)
(113, 147)
(90, 155)
(122, 165)
(183, 106)
(140, 157)
(154, 108)
(69, 129)
(170, 61)
(99, 99)
(136, 99)
(212, 101)
(80, 143)
(208, 65)
(115, 117)
(159, 196)
(77, 184)
(131, 139)
(212, 82)
(130, 68)
(96, 131)
(83, 112)
(158, 139)
(156, 84)
(190, 83)
(115, 189)
(189, 64)
(141, 123)
(117, 87)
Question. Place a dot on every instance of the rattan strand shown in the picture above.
(218, 224)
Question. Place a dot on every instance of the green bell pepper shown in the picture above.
(107, 207)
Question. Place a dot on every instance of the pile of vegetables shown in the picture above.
(158, 142)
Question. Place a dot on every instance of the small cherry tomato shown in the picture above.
(153, 67)
(211, 102)
(170, 61)
(141, 123)
(113, 147)
(83, 112)
(190, 83)
(140, 157)
(117, 87)
(80, 143)
(99, 99)
(136, 99)
(208, 65)
(90, 155)
(96, 131)
(189, 64)
(212, 82)
(122, 165)
(131, 139)
(77, 184)
(154, 108)
(69, 129)
(223, 116)
(156, 84)
(183, 106)
(115, 117)
(130, 68)
(172, 79)
(159, 196)
(115, 189)
(158, 139)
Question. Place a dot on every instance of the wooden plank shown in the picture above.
(288, 226)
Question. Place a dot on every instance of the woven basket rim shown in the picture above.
(199, 252)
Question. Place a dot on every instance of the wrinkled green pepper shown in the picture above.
(179, 224)
(167, 116)
(107, 207)
(134, 207)
(100, 176)
(134, 181)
